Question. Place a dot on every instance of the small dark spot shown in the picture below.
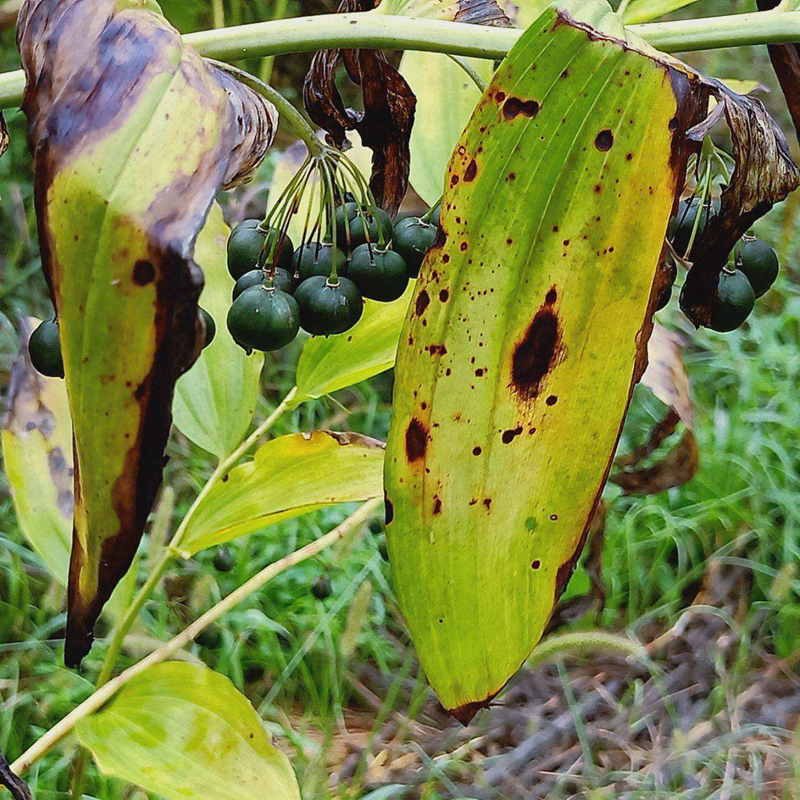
(476, 451)
(512, 176)
(598, 188)
(604, 140)
(479, 372)
(554, 517)
(143, 273)
(515, 106)
(552, 400)
(441, 620)
(423, 301)
(454, 179)
(463, 247)
(471, 171)
(416, 440)
(536, 563)
(511, 434)
(566, 242)
(444, 295)
(555, 228)
(629, 157)
(551, 296)
(500, 96)
(436, 349)
(487, 501)
(389, 508)
(437, 505)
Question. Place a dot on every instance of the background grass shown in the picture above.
(284, 648)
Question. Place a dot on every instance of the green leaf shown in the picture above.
(215, 400)
(288, 477)
(527, 331)
(121, 198)
(183, 732)
(645, 10)
(37, 452)
(446, 98)
(330, 363)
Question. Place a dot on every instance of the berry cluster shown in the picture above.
(320, 286)
(44, 346)
(752, 270)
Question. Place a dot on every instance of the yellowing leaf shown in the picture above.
(133, 134)
(446, 98)
(183, 732)
(288, 477)
(645, 10)
(526, 334)
(216, 399)
(330, 363)
(37, 452)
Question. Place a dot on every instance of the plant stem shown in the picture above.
(102, 695)
(368, 29)
(268, 62)
(285, 109)
(468, 68)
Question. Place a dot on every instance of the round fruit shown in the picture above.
(245, 245)
(345, 214)
(280, 280)
(316, 258)
(682, 224)
(327, 308)
(264, 319)
(759, 262)
(378, 274)
(44, 349)
(209, 326)
(735, 301)
(412, 239)
(224, 560)
(321, 588)
(369, 226)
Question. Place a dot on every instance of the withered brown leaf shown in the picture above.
(389, 104)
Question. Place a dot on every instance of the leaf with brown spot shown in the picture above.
(666, 378)
(764, 174)
(512, 464)
(132, 134)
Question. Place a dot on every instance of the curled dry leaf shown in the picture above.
(666, 378)
(389, 104)
(132, 135)
(785, 60)
(18, 788)
(764, 174)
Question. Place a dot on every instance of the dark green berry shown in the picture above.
(412, 239)
(264, 319)
(280, 280)
(321, 588)
(682, 224)
(345, 214)
(370, 226)
(224, 560)
(245, 245)
(327, 308)
(735, 301)
(316, 258)
(209, 326)
(759, 262)
(44, 349)
(378, 274)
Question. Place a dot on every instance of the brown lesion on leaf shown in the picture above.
(604, 140)
(539, 350)
(471, 171)
(422, 302)
(416, 441)
(466, 713)
(516, 106)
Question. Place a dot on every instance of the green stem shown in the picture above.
(285, 109)
(268, 62)
(468, 68)
(369, 29)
